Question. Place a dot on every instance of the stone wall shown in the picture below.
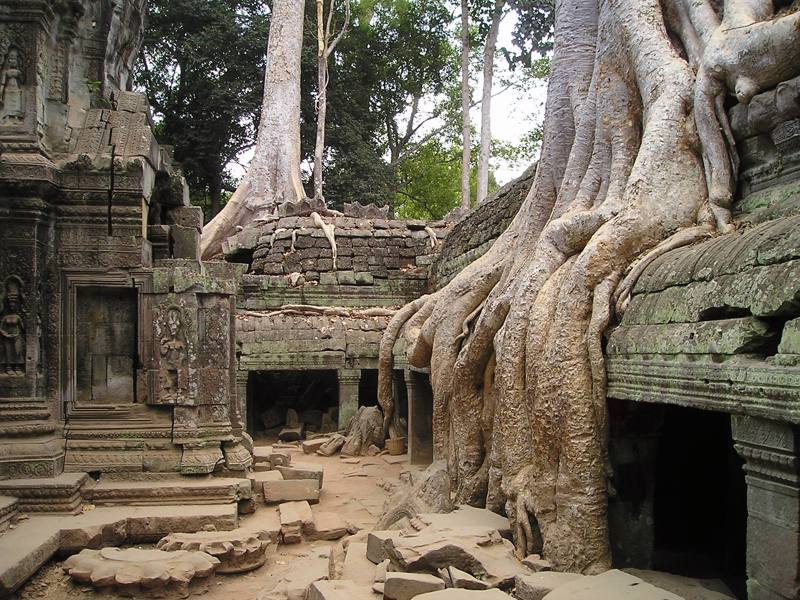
(474, 234)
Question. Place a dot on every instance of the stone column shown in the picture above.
(770, 451)
(420, 418)
(348, 394)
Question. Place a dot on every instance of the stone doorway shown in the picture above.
(700, 506)
(312, 394)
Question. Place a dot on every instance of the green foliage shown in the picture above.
(202, 67)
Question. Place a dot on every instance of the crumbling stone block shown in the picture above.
(538, 585)
(404, 586)
(289, 490)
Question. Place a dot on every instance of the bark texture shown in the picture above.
(466, 100)
(637, 159)
(273, 175)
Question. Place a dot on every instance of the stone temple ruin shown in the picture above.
(135, 375)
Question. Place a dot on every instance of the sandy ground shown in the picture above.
(355, 491)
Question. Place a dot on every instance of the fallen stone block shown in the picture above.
(311, 446)
(375, 539)
(292, 434)
(339, 589)
(302, 472)
(259, 477)
(688, 588)
(465, 581)
(478, 551)
(404, 586)
(326, 526)
(611, 584)
(456, 594)
(381, 569)
(294, 582)
(536, 563)
(538, 585)
(143, 573)
(295, 517)
(238, 550)
(290, 490)
(356, 566)
(467, 516)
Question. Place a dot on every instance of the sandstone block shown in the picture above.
(326, 526)
(292, 434)
(375, 539)
(538, 585)
(338, 590)
(289, 490)
(404, 586)
(302, 472)
(462, 579)
(457, 594)
(295, 516)
(311, 446)
(238, 550)
(356, 566)
(613, 584)
(185, 242)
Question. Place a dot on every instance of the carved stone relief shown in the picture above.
(11, 80)
(173, 373)
(12, 329)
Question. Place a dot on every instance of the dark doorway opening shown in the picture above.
(314, 395)
(368, 388)
(700, 508)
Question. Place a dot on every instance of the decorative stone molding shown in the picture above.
(238, 550)
(143, 573)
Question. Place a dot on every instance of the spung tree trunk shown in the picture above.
(325, 47)
(273, 175)
(637, 158)
(466, 100)
(486, 101)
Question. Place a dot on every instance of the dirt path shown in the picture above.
(353, 490)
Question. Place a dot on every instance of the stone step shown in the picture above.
(61, 494)
(9, 510)
(33, 542)
(185, 490)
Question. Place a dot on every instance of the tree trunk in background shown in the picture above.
(466, 97)
(273, 175)
(322, 99)
(634, 162)
(486, 102)
(215, 193)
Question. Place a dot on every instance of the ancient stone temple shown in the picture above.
(117, 343)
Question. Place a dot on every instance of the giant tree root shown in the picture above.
(514, 342)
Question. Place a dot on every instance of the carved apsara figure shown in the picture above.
(12, 329)
(173, 355)
(11, 87)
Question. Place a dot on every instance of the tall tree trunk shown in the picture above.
(634, 160)
(322, 98)
(466, 97)
(486, 101)
(273, 175)
(215, 192)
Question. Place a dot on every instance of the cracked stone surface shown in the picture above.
(238, 551)
(137, 573)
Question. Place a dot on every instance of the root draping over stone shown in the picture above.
(637, 159)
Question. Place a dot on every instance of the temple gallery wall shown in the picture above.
(125, 357)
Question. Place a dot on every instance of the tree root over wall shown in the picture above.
(637, 159)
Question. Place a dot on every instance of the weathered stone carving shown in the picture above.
(238, 550)
(365, 211)
(12, 328)
(143, 573)
(11, 78)
(125, 31)
(173, 374)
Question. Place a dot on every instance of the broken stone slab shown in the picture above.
(293, 583)
(268, 455)
(326, 526)
(290, 490)
(381, 569)
(536, 563)
(311, 446)
(466, 516)
(459, 594)
(395, 459)
(375, 539)
(339, 589)
(356, 566)
(688, 588)
(238, 550)
(463, 580)
(404, 586)
(143, 573)
(332, 445)
(259, 477)
(537, 585)
(292, 434)
(295, 517)
(479, 551)
(613, 584)
(302, 472)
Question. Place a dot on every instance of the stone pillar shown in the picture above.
(770, 451)
(420, 418)
(348, 394)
